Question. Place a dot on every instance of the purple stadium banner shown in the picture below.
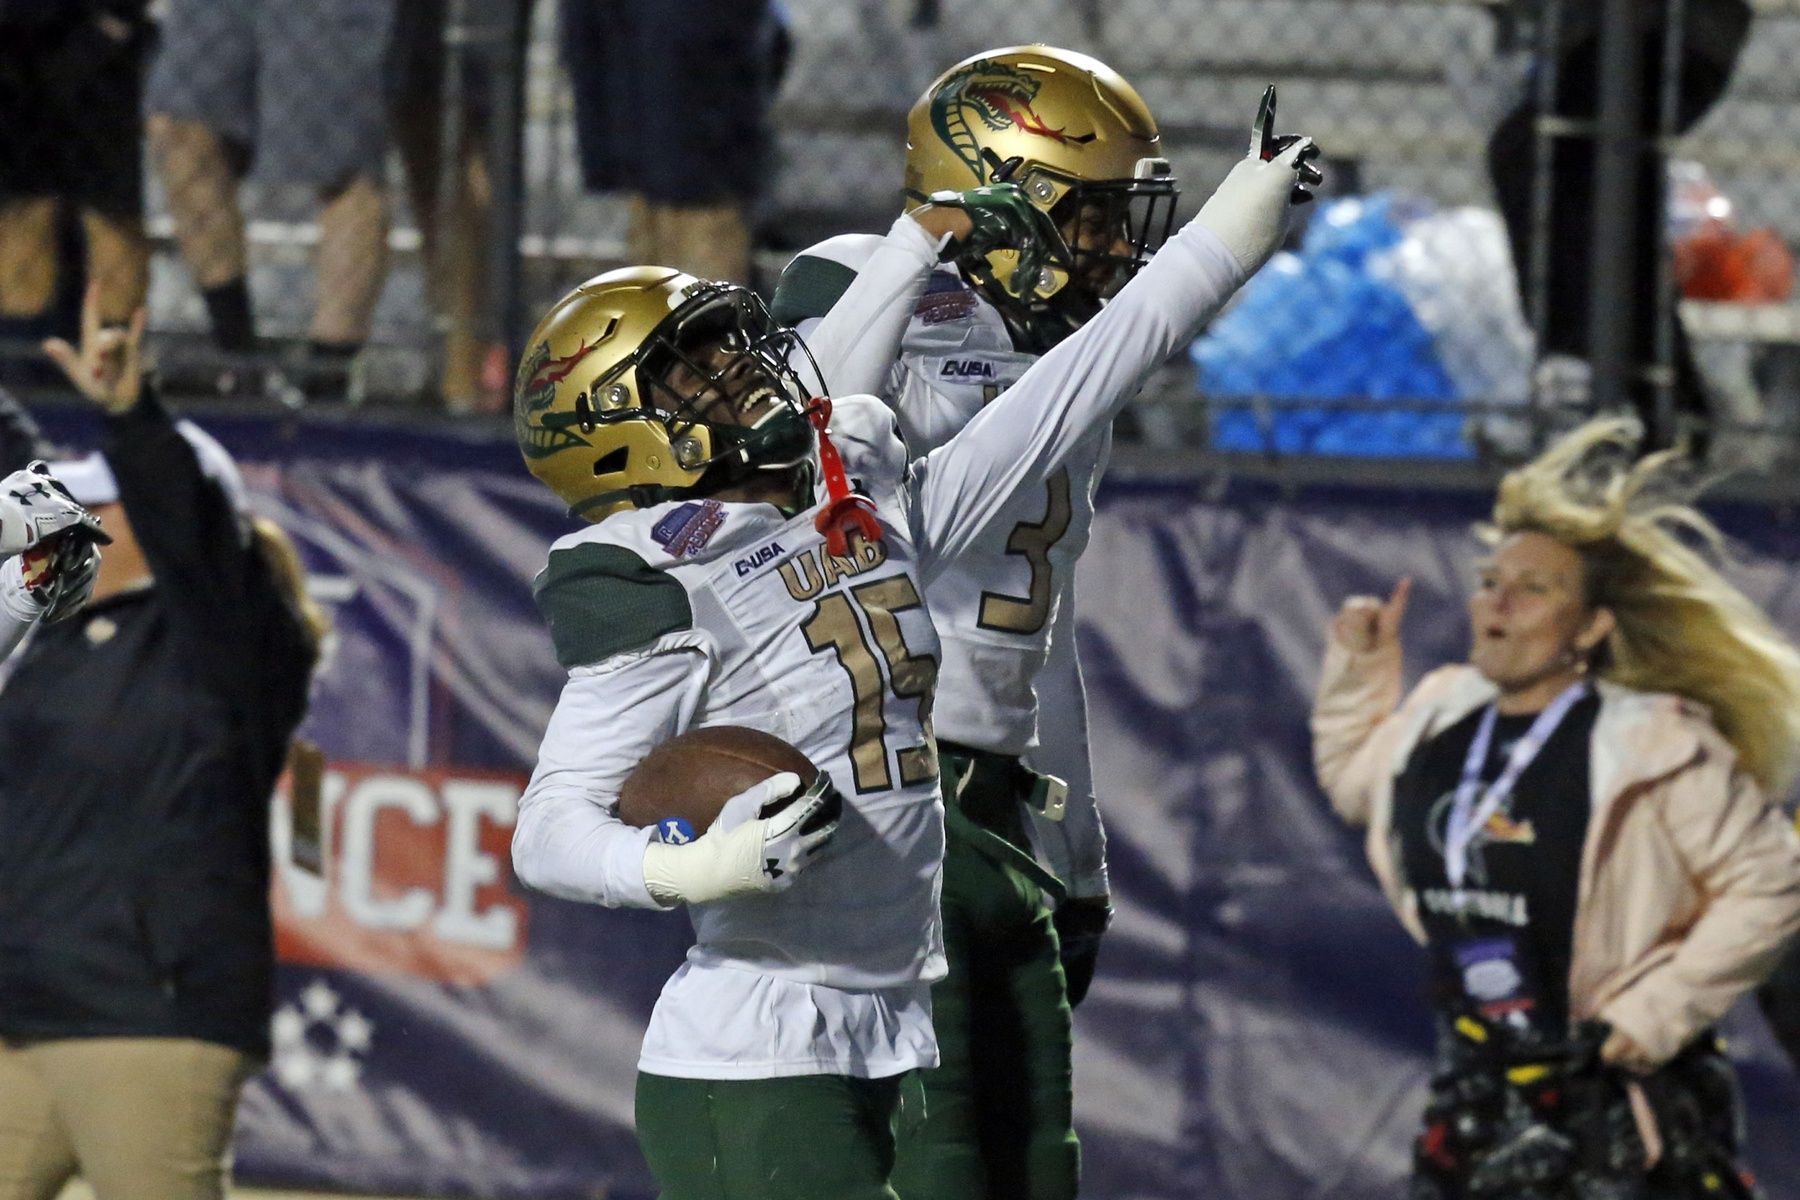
(1257, 1028)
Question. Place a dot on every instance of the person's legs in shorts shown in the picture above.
(27, 261)
(453, 227)
(81, 80)
(711, 241)
(325, 121)
(28, 204)
(201, 100)
(105, 177)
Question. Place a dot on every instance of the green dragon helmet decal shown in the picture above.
(1082, 145)
(539, 432)
(597, 423)
(994, 97)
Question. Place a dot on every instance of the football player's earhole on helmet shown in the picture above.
(635, 387)
(1082, 144)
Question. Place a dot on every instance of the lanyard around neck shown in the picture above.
(1473, 805)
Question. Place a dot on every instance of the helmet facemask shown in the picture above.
(1111, 229)
(1107, 230)
(706, 370)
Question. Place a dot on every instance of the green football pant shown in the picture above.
(997, 1121)
(808, 1137)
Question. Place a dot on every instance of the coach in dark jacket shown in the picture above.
(139, 744)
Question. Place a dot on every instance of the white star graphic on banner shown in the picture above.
(319, 1042)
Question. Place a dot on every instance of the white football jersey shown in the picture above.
(835, 656)
(996, 608)
(706, 612)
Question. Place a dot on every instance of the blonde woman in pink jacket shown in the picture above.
(1577, 825)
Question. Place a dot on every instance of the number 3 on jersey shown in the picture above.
(834, 626)
(1033, 539)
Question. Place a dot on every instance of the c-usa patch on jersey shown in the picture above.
(757, 559)
(674, 831)
(687, 529)
(946, 298)
(962, 370)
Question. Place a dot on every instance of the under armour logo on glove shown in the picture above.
(761, 841)
(35, 507)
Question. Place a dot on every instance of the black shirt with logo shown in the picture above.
(139, 743)
(1500, 945)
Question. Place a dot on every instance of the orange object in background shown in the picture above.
(1714, 258)
(1717, 262)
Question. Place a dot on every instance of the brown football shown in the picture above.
(693, 775)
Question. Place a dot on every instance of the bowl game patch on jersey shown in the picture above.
(946, 298)
(687, 529)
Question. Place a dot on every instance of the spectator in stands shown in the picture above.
(671, 109)
(71, 146)
(296, 86)
(139, 745)
(1576, 824)
(1713, 32)
(457, 227)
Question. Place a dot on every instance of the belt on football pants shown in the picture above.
(985, 795)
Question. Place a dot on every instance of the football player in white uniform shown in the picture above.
(1078, 143)
(745, 568)
(49, 552)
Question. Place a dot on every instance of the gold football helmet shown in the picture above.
(1081, 143)
(601, 425)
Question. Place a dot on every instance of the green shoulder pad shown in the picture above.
(600, 600)
(809, 286)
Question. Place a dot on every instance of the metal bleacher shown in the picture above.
(1401, 89)
(1401, 93)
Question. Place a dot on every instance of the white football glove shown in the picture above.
(762, 838)
(1250, 210)
(59, 574)
(34, 506)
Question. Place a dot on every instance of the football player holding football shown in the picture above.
(755, 559)
(1073, 141)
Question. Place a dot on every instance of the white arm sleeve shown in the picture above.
(1076, 845)
(569, 841)
(856, 344)
(1022, 437)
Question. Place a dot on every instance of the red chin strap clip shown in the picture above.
(845, 512)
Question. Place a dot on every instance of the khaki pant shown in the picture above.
(137, 1118)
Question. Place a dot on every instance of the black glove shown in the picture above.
(1080, 924)
(1266, 146)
